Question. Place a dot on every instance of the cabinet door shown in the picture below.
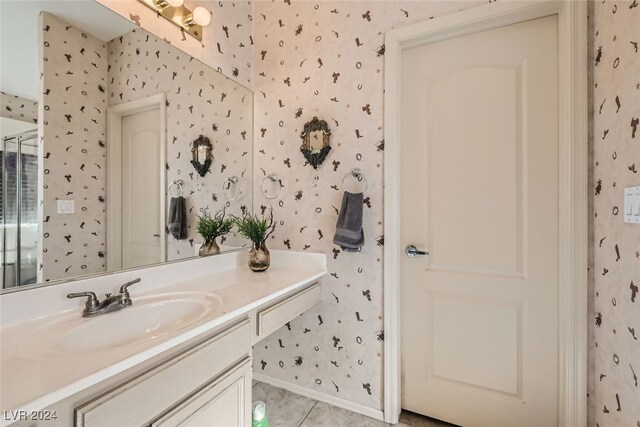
(223, 402)
(145, 396)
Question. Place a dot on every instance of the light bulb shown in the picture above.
(201, 16)
(175, 3)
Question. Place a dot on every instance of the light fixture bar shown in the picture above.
(179, 15)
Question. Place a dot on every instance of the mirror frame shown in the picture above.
(315, 158)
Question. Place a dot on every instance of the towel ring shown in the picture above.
(177, 183)
(226, 185)
(357, 174)
(273, 178)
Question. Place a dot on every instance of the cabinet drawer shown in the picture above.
(272, 318)
(142, 398)
(223, 402)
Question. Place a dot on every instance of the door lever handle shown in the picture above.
(412, 251)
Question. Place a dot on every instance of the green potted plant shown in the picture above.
(257, 229)
(210, 228)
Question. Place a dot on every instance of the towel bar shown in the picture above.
(226, 185)
(177, 183)
(357, 174)
(273, 178)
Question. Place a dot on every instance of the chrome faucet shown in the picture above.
(94, 307)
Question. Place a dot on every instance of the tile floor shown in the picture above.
(286, 409)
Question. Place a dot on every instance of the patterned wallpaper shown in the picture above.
(200, 101)
(17, 108)
(226, 44)
(326, 59)
(616, 161)
(72, 143)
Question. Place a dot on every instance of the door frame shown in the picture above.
(573, 192)
(115, 115)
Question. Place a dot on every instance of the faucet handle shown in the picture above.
(92, 302)
(125, 288)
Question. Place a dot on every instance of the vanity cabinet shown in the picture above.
(204, 380)
(207, 384)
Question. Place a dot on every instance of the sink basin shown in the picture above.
(149, 318)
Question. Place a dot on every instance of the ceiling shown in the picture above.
(19, 73)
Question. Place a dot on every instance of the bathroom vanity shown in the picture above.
(181, 354)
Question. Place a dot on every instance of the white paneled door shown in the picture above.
(480, 195)
(141, 187)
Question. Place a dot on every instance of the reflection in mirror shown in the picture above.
(202, 157)
(97, 120)
(231, 188)
(315, 141)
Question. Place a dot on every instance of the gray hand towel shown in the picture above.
(177, 222)
(349, 234)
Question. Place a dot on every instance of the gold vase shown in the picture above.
(209, 247)
(259, 257)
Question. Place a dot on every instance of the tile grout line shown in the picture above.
(307, 415)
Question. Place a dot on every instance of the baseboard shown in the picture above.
(322, 397)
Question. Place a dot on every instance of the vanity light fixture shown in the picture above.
(199, 16)
(166, 3)
(175, 11)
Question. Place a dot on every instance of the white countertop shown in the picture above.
(34, 374)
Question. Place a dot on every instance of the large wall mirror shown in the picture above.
(97, 124)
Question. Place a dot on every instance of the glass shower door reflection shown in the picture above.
(9, 213)
(19, 210)
(29, 226)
